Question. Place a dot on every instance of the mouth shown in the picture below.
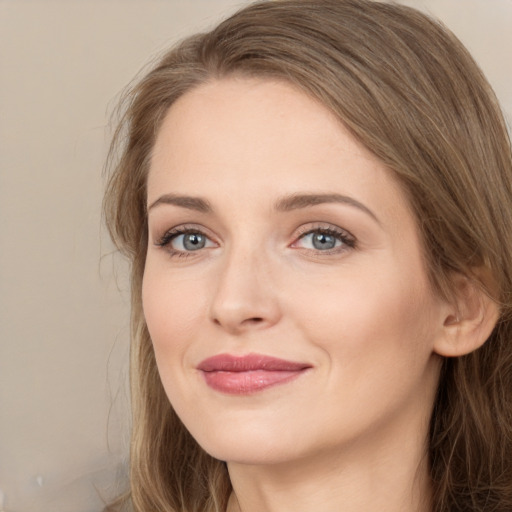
(241, 375)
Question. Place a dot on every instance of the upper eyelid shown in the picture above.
(183, 229)
(323, 226)
(165, 241)
(348, 240)
(299, 232)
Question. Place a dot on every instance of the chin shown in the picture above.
(249, 454)
(247, 445)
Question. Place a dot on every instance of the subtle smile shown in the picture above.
(240, 375)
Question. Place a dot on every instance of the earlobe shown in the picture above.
(469, 320)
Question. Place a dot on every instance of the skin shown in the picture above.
(350, 433)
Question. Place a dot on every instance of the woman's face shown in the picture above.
(284, 289)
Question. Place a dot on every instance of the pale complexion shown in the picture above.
(336, 281)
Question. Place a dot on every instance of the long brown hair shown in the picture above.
(410, 92)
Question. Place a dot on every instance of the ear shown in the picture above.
(469, 319)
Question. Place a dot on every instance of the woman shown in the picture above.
(316, 200)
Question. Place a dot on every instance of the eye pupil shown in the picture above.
(323, 241)
(193, 241)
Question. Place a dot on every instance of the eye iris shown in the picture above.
(323, 241)
(193, 241)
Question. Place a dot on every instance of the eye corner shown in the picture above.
(324, 239)
(174, 240)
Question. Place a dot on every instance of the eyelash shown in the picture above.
(347, 240)
(169, 236)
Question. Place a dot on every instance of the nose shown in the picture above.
(245, 298)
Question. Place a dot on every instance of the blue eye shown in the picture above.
(324, 239)
(183, 241)
(189, 242)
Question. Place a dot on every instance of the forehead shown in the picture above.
(244, 137)
(242, 106)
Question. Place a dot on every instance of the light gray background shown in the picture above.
(63, 305)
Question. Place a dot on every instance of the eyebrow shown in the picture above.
(189, 202)
(285, 204)
(297, 201)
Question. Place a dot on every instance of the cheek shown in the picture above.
(376, 336)
(368, 317)
(173, 310)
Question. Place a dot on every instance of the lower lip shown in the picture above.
(244, 383)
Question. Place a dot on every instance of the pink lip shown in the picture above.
(247, 374)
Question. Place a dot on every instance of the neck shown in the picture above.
(386, 473)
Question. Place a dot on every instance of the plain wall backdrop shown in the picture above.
(64, 415)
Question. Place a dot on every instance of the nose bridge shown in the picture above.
(244, 297)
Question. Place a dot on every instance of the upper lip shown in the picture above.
(249, 362)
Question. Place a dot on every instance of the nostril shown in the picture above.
(236, 324)
(255, 320)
